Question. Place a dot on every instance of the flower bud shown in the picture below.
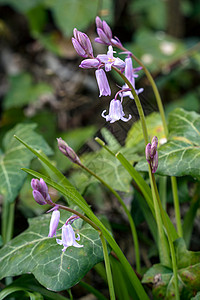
(68, 151)
(154, 144)
(38, 197)
(155, 162)
(89, 63)
(148, 152)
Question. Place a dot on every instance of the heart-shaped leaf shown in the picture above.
(15, 157)
(34, 252)
(162, 278)
(181, 154)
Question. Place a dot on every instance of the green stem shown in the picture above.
(163, 246)
(78, 214)
(138, 104)
(176, 206)
(7, 221)
(108, 268)
(132, 225)
(172, 250)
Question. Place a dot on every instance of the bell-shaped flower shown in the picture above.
(115, 112)
(109, 60)
(68, 238)
(130, 74)
(55, 217)
(102, 82)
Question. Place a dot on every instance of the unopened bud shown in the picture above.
(155, 162)
(148, 152)
(68, 151)
(38, 197)
(154, 144)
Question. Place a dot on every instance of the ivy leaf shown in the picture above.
(15, 157)
(106, 165)
(34, 252)
(162, 278)
(181, 154)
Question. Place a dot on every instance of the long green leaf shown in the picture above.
(145, 189)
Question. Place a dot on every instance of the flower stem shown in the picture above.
(132, 225)
(108, 268)
(172, 250)
(176, 206)
(138, 104)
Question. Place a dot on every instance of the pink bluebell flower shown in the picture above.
(68, 235)
(130, 74)
(109, 60)
(55, 217)
(115, 112)
(102, 82)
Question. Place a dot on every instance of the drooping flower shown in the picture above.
(55, 217)
(130, 74)
(115, 112)
(102, 82)
(82, 44)
(109, 60)
(68, 238)
(68, 151)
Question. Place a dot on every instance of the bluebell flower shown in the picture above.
(109, 60)
(68, 238)
(102, 82)
(115, 112)
(130, 74)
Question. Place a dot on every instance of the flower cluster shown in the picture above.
(41, 196)
(104, 63)
(152, 154)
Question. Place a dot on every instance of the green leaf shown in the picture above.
(154, 125)
(162, 278)
(23, 91)
(69, 14)
(180, 155)
(33, 251)
(29, 283)
(15, 157)
(107, 166)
